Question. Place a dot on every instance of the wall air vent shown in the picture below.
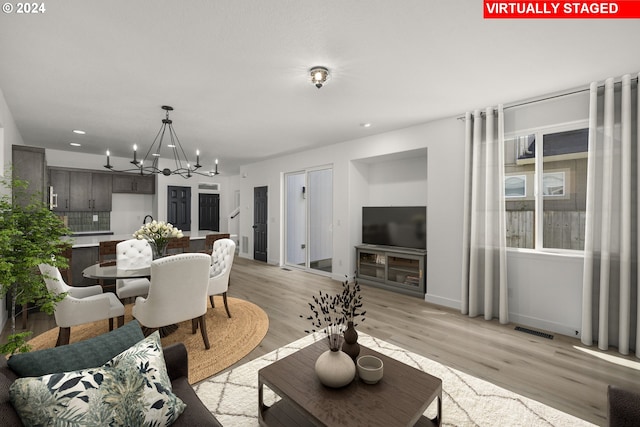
(209, 186)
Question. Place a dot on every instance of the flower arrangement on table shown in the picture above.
(158, 233)
(331, 313)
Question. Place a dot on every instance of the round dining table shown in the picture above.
(109, 271)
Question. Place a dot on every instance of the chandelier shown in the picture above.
(149, 164)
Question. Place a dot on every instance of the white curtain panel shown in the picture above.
(610, 295)
(484, 280)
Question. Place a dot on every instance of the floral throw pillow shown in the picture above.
(132, 389)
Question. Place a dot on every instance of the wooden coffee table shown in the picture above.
(399, 399)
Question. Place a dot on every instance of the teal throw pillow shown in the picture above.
(89, 353)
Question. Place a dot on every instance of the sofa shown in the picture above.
(96, 352)
(623, 407)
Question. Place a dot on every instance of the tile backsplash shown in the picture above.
(84, 221)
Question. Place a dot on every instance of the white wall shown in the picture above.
(9, 135)
(399, 182)
(545, 290)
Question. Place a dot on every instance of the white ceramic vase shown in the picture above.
(335, 369)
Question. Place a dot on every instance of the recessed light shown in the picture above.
(79, 132)
(365, 125)
(75, 144)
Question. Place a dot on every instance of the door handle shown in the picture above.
(254, 227)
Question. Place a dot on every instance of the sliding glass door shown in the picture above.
(309, 218)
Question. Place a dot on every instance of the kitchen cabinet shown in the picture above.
(59, 180)
(134, 183)
(29, 164)
(81, 190)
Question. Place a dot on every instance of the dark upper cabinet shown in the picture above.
(101, 189)
(29, 164)
(133, 183)
(59, 180)
(80, 190)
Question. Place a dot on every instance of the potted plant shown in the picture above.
(30, 234)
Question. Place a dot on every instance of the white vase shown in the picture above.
(335, 369)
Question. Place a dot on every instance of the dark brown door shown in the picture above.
(179, 207)
(209, 212)
(260, 223)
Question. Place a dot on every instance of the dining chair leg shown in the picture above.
(213, 304)
(63, 336)
(148, 331)
(194, 325)
(226, 306)
(202, 320)
(120, 321)
(110, 323)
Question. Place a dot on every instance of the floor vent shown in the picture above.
(536, 333)
(286, 269)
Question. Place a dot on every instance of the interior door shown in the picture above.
(179, 207)
(209, 212)
(260, 215)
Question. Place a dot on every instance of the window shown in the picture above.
(553, 184)
(551, 213)
(515, 186)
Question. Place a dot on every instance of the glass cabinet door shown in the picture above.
(404, 270)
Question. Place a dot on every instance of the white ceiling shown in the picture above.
(236, 70)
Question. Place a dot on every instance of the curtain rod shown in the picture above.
(546, 98)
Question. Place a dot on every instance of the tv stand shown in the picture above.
(393, 268)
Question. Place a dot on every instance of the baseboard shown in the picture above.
(446, 302)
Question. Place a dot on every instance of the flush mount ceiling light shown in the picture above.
(149, 164)
(319, 76)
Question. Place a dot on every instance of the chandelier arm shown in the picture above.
(180, 145)
(174, 148)
(160, 132)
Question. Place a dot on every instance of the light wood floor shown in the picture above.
(552, 371)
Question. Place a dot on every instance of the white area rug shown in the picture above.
(467, 401)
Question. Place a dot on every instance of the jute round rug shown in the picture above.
(231, 338)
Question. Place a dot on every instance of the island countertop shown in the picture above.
(94, 241)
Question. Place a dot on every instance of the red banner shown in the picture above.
(624, 9)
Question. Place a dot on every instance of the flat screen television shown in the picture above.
(403, 226)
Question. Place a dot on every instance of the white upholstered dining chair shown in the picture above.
(178, 292)
(80, 305)
(130, 254)
(221, 261)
